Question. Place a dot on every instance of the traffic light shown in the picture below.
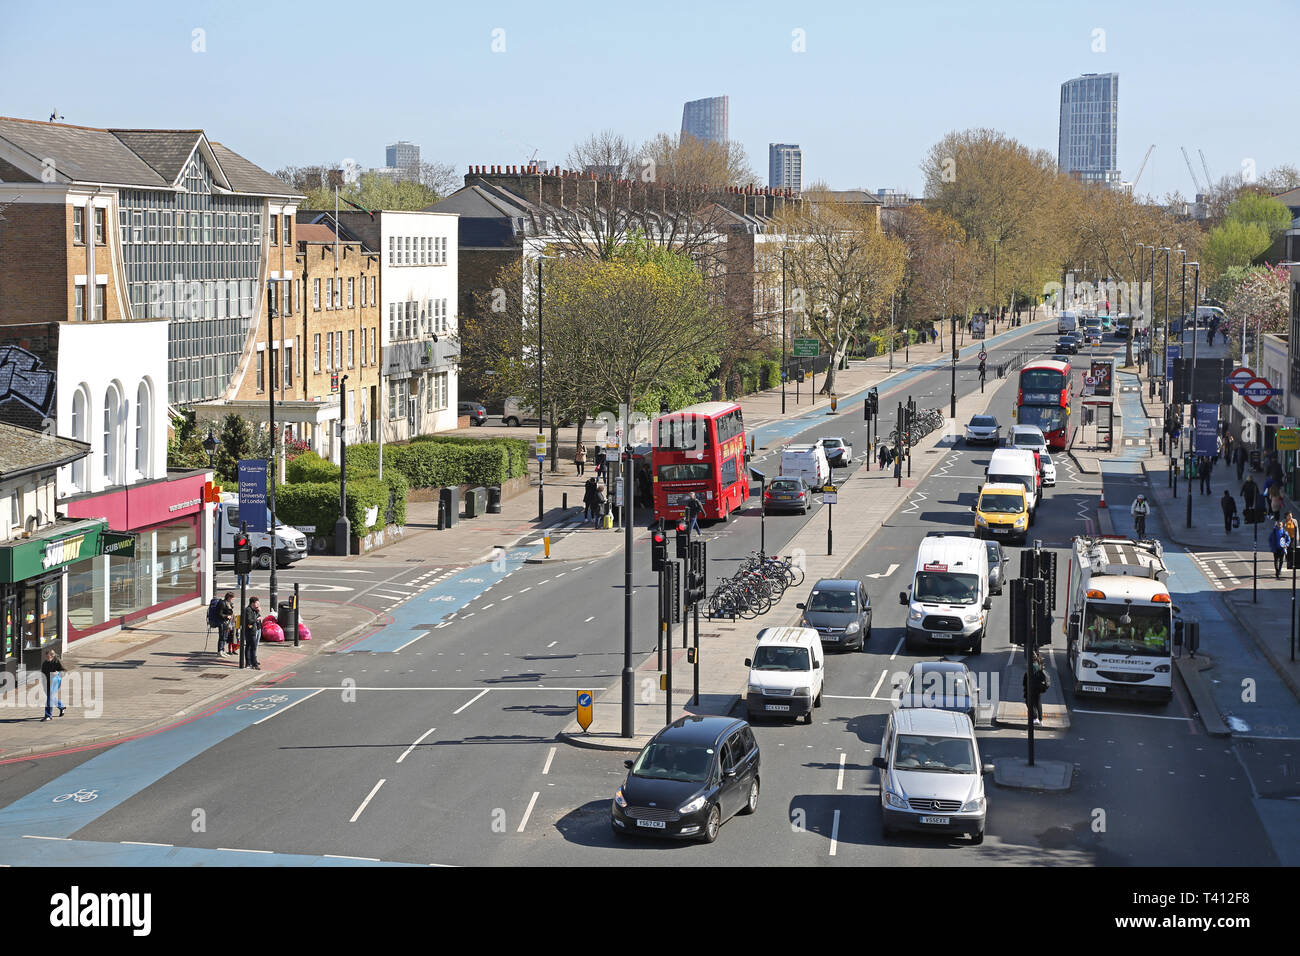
(658, 551)
(243, 554)
(691, 657)
(682, 540)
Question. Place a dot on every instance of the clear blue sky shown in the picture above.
(296, 83)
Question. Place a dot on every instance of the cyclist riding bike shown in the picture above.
(1139, 510)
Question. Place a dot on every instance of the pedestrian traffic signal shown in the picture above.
(683, 540)
(243, 554)
(694, 588)
(658, 551)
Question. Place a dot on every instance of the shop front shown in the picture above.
(168, 567)
(32, 574)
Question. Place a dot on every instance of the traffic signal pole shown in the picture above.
(243, 602)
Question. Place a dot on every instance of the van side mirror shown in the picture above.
(988, 768)
(902, 598)
(988, 604)
(799, 606)
(628, 764)
(748, 662)
(878, 762)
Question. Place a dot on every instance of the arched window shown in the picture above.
(112, 414)
(81, 432)
(143, 430)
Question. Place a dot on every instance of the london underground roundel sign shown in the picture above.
(1239, 377)
(1257, 391)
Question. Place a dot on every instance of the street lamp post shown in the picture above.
(1164, 363)
(1191, 376)
(1141, 272)
(997, 308)
(783, 373)
(210, 445)
(342, 527)
(954, 368)
(541, 480)
(762, 505)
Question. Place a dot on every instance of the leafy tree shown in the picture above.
(1234, 243)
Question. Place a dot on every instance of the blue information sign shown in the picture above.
(252, 493)
(1205, 439)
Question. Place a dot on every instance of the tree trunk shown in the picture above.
(555, 439)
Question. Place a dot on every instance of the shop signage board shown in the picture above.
(35, 556)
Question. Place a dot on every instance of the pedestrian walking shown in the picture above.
(1275, 501)
(600, 504)
(1229, 506)
(1229, 451)
(1041, 682)
(252, 632)
(52, 670)
(580, 458)
(1250, 496)
(589, 499)
(1241, 461)
(693, 511)
(1204, 474)
(882, 455)
(1279, 541)
(226, 624)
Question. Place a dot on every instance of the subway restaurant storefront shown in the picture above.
(32, 591)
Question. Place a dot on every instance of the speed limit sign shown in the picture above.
(983, 355)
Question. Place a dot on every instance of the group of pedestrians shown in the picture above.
(221, 615)
(599, 460)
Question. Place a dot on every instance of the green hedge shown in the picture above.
(398, 487)
(316, 504)
(435, 462)
(770, 373)
(310, 468)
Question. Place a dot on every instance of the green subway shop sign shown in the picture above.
(35, 556)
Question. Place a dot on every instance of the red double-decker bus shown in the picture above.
(1044, 399)
(700, 449)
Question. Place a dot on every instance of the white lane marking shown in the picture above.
(897, 648)
(369, 797)
(276, 713)
(486, 606)
(1117, 713)
(339, 856)
(412, 641)
(843, 697)
(470, 614)
(435, 627)
(235, 849)
(29, 837)
(552, 644)
(525, 590)
(549, 757)
(839, 781)
(529, 812)
(470, 701)
(883, 674)
(835, 832)
(507, 597)
(416, 744)
(590, 619)
(143, 843)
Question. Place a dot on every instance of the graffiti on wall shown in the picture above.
(24, 378)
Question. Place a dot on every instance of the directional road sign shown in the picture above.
(805, 348)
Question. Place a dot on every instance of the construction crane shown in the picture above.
(1205, 166)
(1143, 166)
(1188, 161)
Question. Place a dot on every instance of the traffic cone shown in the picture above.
(1102, 503)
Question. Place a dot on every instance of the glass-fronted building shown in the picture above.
(1089, 127)
(707, 119)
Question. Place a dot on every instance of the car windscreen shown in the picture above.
(774, 657)
(937, 686)
(666, 761)
(1048, 418)
(1145, 633)
(983, 421)
(934, 754)
(787, 486)
(945, 587)
(1002, 503)
(824, 600)
(830, 444)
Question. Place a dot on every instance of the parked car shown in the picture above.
(838, 452)
(691, 777)
(516, 412)
(787, 493)
(941, 685)
(931, 777)
(1067, 345)
(997, 567)
(983, 429)
(477, 413)
(839, 609)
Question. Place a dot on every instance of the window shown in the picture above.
(79, 303)
(288, 366)
(99, 303)
(243, 227)
(315, 345)
(329, 351)
(221, 229)
(351, 335)
(293, 302)
(261, 371)
(363, 292)
(274, 240)
(392, 321)
(137, 226)
(257, 227)
(207, 227)
(78, 225)
(329, 293)
(99, 225)
(166, 235)
(338, 293)
(438, 393)
(350, 282)
(315, 295)
(374, 300)
(151, 226)
(391, 245)
(284, 295)
(288, 229)
(374, 343)
(392, 398)
(363, 346)
(112, 405)
(81, 432)
(424, 250)
(338, 350)
(408, 250)
(143, 413)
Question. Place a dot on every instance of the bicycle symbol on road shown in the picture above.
(263, 703)
(81, 796)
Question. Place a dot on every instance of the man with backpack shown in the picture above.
(1034, 702)
(221, 615)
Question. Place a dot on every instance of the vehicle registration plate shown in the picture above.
(941, 821)
(778, 707)
(652, 824)
(1093, 688)
(830, 637)
(785, 497)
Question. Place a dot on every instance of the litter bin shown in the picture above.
(494, 500)
(475, 502)
(449, 503)
(287, 618)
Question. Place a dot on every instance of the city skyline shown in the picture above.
(800, 63)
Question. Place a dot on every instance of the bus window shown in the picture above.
(694, 471)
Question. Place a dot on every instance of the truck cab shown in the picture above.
(289, 544)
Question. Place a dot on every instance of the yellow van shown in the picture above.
(1002, 511)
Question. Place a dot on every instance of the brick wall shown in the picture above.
(35, 277)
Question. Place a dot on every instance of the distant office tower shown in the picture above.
(402, 155)
(785, 166)
(706, 119)
(1089, 124)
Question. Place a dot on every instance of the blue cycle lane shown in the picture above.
(1236, 658)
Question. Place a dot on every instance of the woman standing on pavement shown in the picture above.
(580, 458)
(52, 671)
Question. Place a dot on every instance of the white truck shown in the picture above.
(1119, 619)
(290, 544)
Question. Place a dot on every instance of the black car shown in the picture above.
(839, 609)
(787, 494)
(942, 685)
(688, 780)
(477, 413)
(1067, 344)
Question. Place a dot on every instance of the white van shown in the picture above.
(807, 462)
(1066, 322)
(786, 673)
(949, 600)
(290, 543)
(1016, 465)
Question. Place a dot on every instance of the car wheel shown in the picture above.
(618, 834)
(512, 422)
(803, 511)
(808, 717)
(752, 803)
(977, 645)
(818, 701)
(262, 560)
(711, 825)
(977, 838)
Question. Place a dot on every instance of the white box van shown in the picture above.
(807, 462)
(949, 600)
(290, 543)
(1066, 322)
(1016, 465)
(786, 673)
